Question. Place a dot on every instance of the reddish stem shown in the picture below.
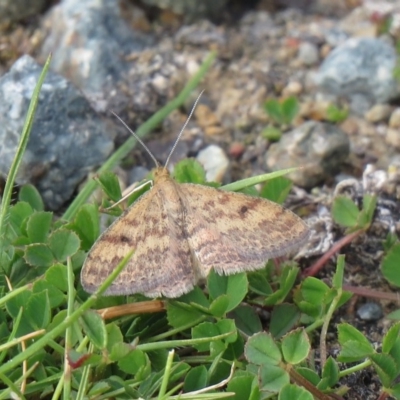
(318, 265)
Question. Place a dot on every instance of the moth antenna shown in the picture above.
(183, 128)
(137, 138)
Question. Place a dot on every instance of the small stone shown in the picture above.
(205, 116)
(308, 53)
(214, 130)
(293, 88)
(214, 161)
(319, 147)
(394, 121)
(236, 149)
(325, 50)
(378, 113)
(370, 312)
(393, 137)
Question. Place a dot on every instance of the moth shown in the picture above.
(179, 231)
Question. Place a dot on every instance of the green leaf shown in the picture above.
(14, 304)
(18, 214)
(57, 276)
(134, 362)
(390, 265)
(290, 108)
(309, 374)
(290, 392)
(349, 333)
(219, 306)
(29, 194)
(286, 281)
(209, 330)
(295, 346)
(353, 351)
(345, 212)
(283, 319)
(274, 110)
(259, 284)
(234, 286)
(271, 133)
(368, 210)
(64, 243)
(245, 386)
(94, 327)
(56, 297)
(272, 378)
(196, 379)
(262, 349)
(331, 372)
(390, 338)
(87, 225)
(38, 226)
(385, 367)
(247, 320)
(181, 314)
(277, 189)
(189, 171)
(337, 281)
(119, 351)
(336, 114)
(38, 310)
(38, 255)
(313, 290)
(114, 335)
(110, 184)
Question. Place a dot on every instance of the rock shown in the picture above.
(68, 139)
(214, 161)
(17, 10)
(318, 148)
(378, 113)
(370, 311)
(308, 53)
(236, 149)
(361, 69)
(293, 88)
(393, 137)
(90, 41)
(394, 121)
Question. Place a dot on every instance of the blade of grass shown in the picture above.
(26, 130)
(254, 180)
(144, 129)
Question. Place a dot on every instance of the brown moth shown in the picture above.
(179, 231)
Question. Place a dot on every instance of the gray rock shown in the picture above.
(360, 67)
(318, 148)
(67, 138)
(90, 41)
(17, 10)
(308, 53)
(370, 312)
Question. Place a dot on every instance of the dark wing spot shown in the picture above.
(243, 210)
(124, 239)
